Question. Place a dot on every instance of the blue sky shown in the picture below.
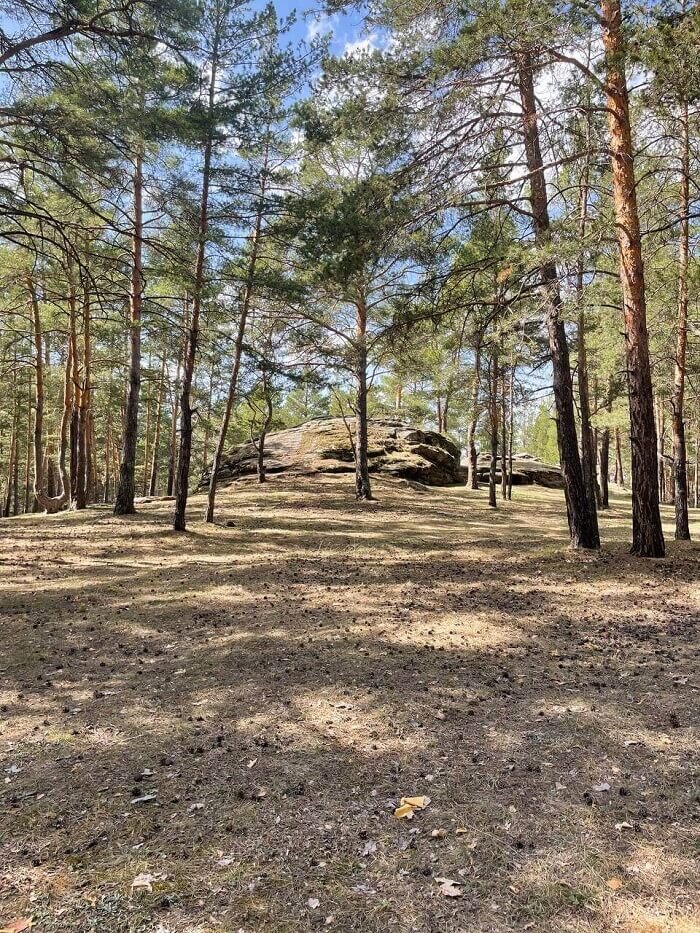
(346, 29)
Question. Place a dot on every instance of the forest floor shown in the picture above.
(209, 732)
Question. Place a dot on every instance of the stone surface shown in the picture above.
(527, 470)
(323, 445)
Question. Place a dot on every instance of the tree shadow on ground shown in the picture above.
(285, 698)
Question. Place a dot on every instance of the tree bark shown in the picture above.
(85, 439)
(588, 447)
(678, 393)
(582, 515)
(153, 481)
(267, 421)
(126, 488)
(147, 432)
(504, 436)
(619, 471)
(660, 424)
(473, 476)
(108, 458)
(604, 459)
(175, 399)
(493, 424)
(511, 409)
(647, 534)
(77, 449)
(246, 299)
(49, 503)
(6, 510)
(15, 470)
(28, 456)
(363, 488)
(182, 474)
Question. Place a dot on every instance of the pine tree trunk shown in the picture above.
(15, 471)
(262, 475)
(28, 457)
(48, 502)
(147, 432)
(126, 488)
(511, 431)
(588, 447)
(77, 433)
(86, 457)
(660, 424)
(678, 393)
(504, 437)
(604, 460)
(647, 534)
(473, 475)
(153, 480)
(175, 399)
(619, 471)
(246, 299)
(182, 474)
(6, 509)
(363, 488)
(493, 423)
(582, 516)
(108, 456)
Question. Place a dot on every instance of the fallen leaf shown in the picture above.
(143, 882)
(19, 925)
(405, 811)
(450, 888)
(614, 884)
(313, 903)
(418, 803)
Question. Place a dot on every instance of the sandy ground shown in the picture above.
(228, 718)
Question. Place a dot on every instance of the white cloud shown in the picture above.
(321, 25)
(362, 46)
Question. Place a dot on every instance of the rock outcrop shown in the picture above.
(323, 445)
(527, 470)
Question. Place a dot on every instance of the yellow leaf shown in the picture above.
(418, 803)
(614, 884)
(405, 810)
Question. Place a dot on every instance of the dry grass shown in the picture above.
(286, 680)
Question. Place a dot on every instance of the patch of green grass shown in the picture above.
(556, 897)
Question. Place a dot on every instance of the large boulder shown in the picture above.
(323, 445)
(527, 470)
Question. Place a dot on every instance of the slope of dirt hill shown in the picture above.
(210, 732)
(323, 445)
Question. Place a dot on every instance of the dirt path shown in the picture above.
(234, 714)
